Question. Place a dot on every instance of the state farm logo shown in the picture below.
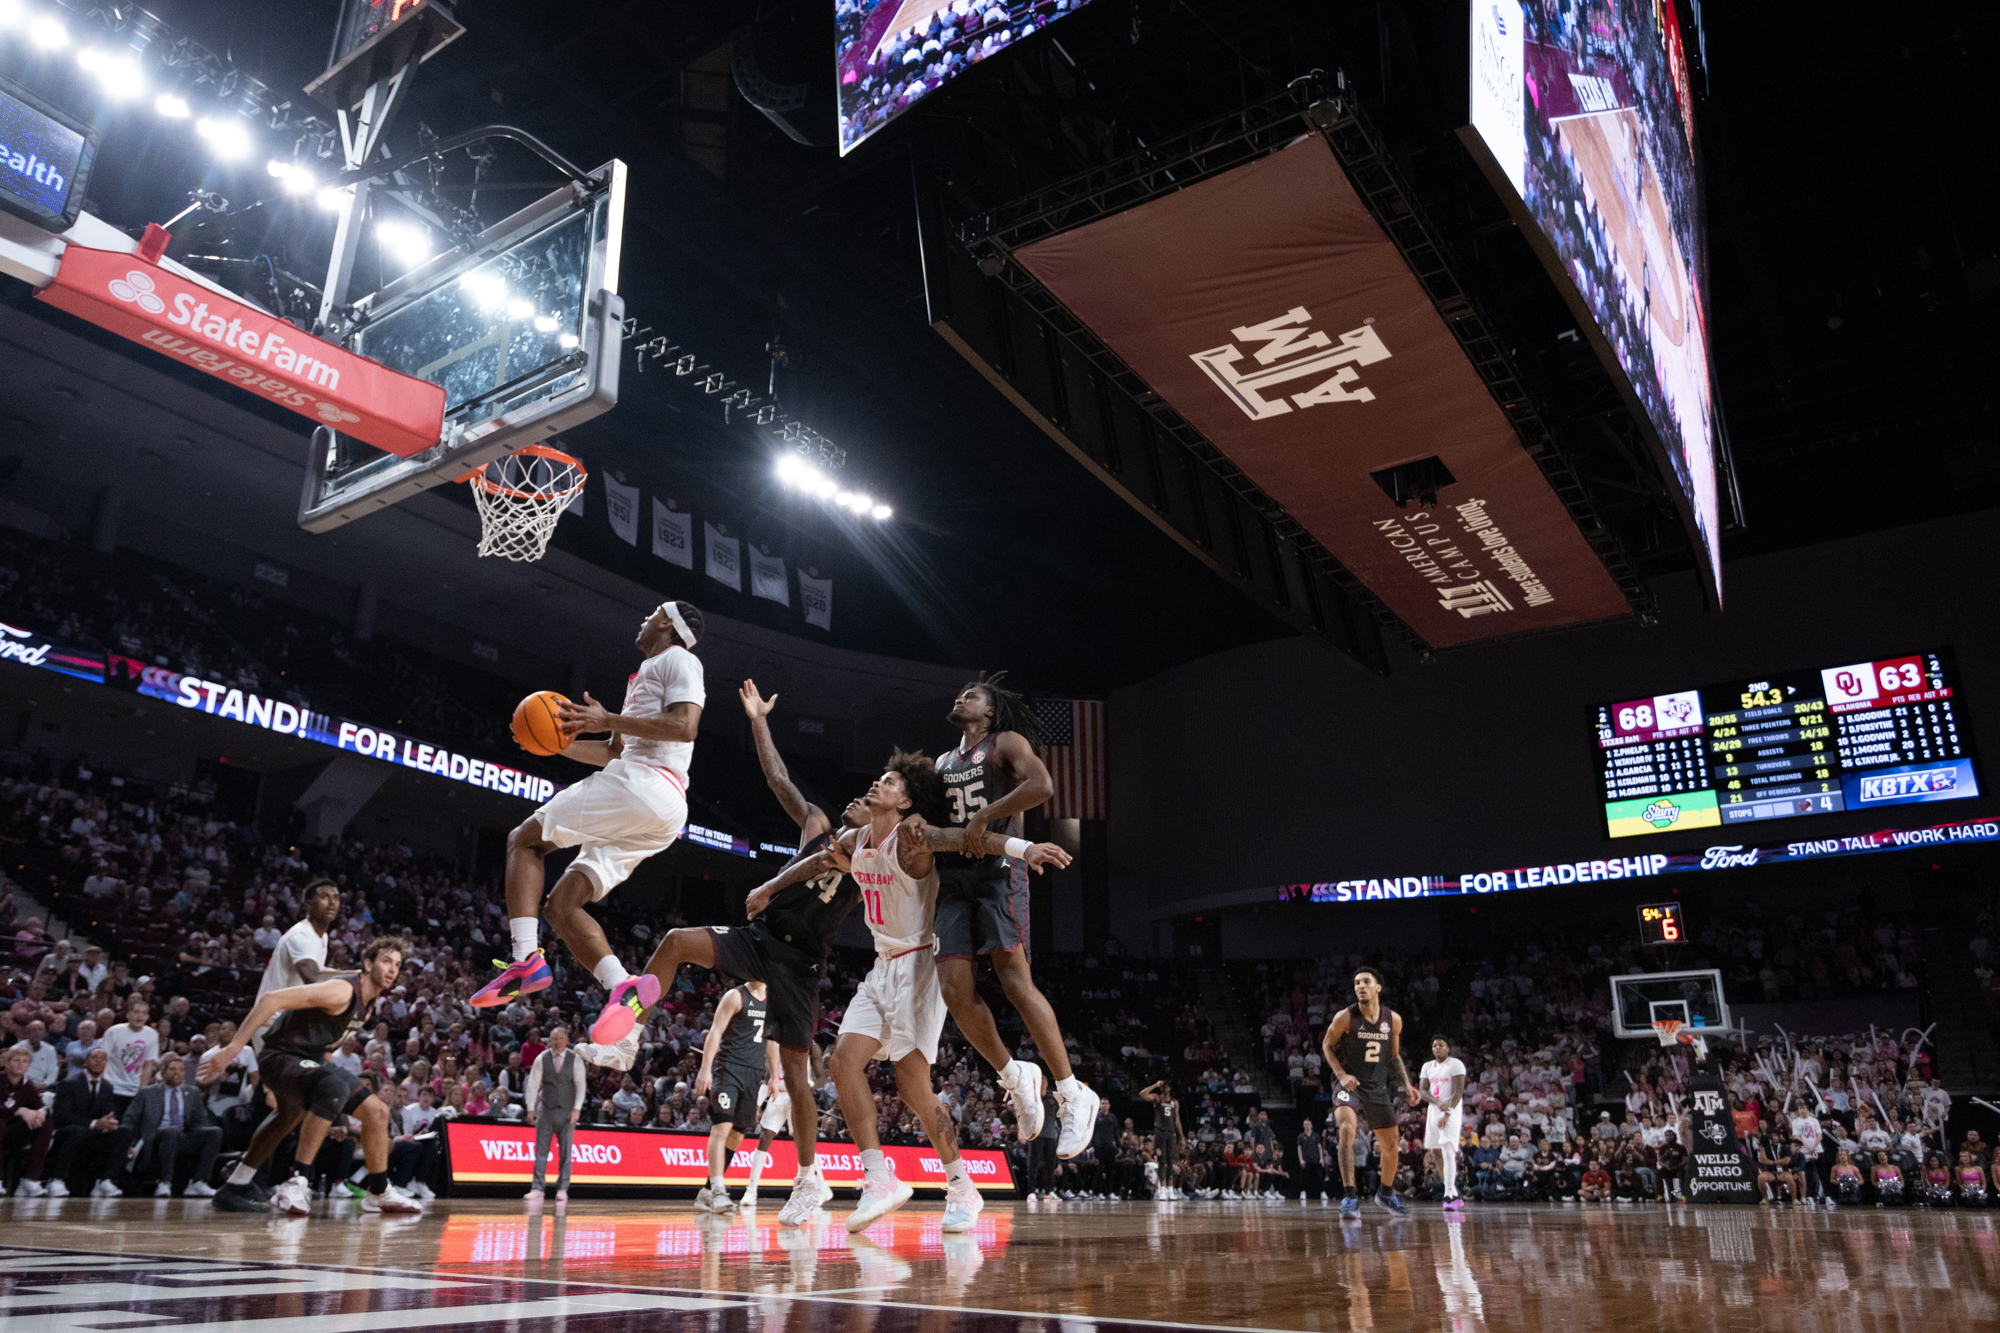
(1292, 351)
(332, 415)
(137, 288)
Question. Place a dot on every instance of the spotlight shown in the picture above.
(118, 74)
(841, 498)
(790, 469)
(545, 323)
(519, 309)
(825, 489)
(228, 138)
(332, 198)
(860, 503)
(173, 108)
(278, 169)
(410, 244)
(881, 512)
(569, 341)
(48, 34)
(488, 289)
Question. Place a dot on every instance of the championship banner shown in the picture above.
(621, 503)
(1718, 1169)
(236, 342)
(1726, 856)
(486, 1152)
(767, 577)
(1270, 310)
(673, 534)
(725, 560)
(816, 596)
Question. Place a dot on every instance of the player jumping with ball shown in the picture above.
(631, 810)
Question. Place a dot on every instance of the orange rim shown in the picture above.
(479, 478)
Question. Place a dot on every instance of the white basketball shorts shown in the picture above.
(619, 815)
(777, 1110)
(899, 1004)
(1441, 1130)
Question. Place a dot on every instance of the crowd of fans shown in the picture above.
(879, 84)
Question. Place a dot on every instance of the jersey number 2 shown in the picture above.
(966, 801)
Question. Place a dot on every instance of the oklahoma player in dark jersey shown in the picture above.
(1363, 1047)
(736, 1062)
(992, 778)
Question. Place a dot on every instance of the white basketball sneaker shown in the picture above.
(808, 1197)
(881, 1194)
(390, 1200)
(1077, 1114)
(1025, 1092)
(962, 1203)
(294, 1197)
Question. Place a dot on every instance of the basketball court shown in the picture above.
(1269, 1265)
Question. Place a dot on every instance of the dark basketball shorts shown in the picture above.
(980, 912)
(736, 1098)
(310, 1082)
(791, 981)
(1371, 1104)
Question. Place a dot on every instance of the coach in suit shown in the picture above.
(90, 1144)
(555, 1100)
(170, 1125)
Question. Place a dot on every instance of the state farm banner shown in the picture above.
(1268, 308)
(255, 351)
(484, 1152)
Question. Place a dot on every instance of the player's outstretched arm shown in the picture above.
(979, 843)
(812, 820)
(832, 858)
(332, 995)
(680, 722)
(725, 1010)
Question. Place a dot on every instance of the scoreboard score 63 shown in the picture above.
(1660, 923)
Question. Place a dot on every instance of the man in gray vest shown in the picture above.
(555, 1099)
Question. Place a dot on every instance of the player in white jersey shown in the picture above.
(1441, 1083)
(898, 1011)
(634, 808)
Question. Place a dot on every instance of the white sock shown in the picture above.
(610, 971)
(527, 932)
(1068, 1087)
(872, 1161)
(756, 1168)
(956, 1174)
(715, 1184)
(242, 1175)
(1450, 1163)
(1009, 1074)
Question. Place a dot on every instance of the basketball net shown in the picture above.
(1668, 1030)
(521, 497)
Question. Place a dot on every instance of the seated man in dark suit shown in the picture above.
(170, 1126)
(90, 1144)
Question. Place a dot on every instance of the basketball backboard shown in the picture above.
(1693, 997)
(522, 328)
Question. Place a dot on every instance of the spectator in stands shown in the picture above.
(24, 1122)
(42, 1060)
(171, 1129)
(130, 1046)
(89, 1144)
(1596, 1184)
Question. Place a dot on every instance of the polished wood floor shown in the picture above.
(172, 1264)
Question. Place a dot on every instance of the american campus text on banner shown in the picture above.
(1728, 856)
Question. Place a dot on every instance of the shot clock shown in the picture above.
(1781, 746)
(1660, 923)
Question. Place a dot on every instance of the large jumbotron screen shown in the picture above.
(889, 53)
(1584, 107)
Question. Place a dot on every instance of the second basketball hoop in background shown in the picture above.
(521, 497)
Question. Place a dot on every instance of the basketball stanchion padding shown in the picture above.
(538, 722)
(521, 497)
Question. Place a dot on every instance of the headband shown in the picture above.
(673, 611)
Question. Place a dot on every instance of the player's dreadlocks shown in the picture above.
(1010, 710)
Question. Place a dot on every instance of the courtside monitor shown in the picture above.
(1581, 117)
(45, 159)
(888, 54)
(522, 329)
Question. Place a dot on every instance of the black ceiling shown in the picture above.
(1854, 244)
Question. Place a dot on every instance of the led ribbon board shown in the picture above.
(45, 159)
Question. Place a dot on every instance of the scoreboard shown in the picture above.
(1803, 743)
(1660, 923)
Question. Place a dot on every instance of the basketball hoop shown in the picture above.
(1669, 1031)
(520, 498)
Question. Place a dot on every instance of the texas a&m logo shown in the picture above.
(1291, 351)
(1708, 1102)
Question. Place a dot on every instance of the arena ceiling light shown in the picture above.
(48, 34)
(800, 475)
(118, 74)
(295, 179)
(228, 138)
(406, 241)
(172, 107)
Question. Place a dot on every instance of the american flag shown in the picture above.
(1073, 748)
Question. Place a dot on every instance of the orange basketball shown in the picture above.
(538, 723)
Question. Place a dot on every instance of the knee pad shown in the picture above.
(331, 1092)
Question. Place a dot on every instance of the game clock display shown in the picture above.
(1660, 923)
(1805, 743)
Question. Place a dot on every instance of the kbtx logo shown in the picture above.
(1292, 351)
